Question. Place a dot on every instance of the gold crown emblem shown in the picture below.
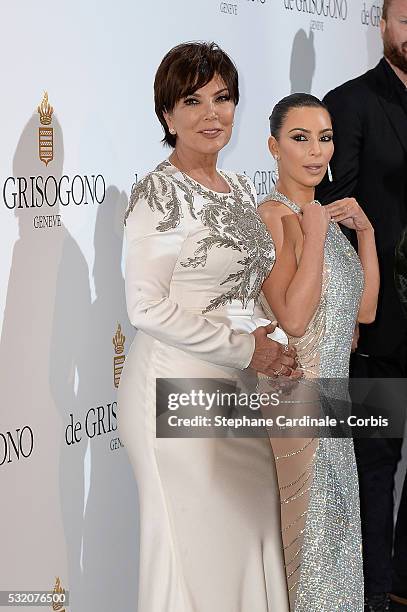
(60, 591)
(119, 359)
(45, 110)
(119, 340)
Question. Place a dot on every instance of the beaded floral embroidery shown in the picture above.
(231, 219)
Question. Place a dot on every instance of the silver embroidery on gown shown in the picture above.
(230, 218)
(323, 541)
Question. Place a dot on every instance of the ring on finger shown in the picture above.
(278, 372)
(285, 348)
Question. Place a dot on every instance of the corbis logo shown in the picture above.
(45, 134)
(53, 190)
(16, 445)
(371, 16)
(119, 358)
(333, 9)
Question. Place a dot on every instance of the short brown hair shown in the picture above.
(186, 68)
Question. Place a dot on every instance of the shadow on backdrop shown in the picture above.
(374, 46)
(302, 63)
(33, 529)
(71, 508)
(67, 378)
(110, 534)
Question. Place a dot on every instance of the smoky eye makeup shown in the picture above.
(303, 136)
(299, 136)
(190, 101)
(225, 97)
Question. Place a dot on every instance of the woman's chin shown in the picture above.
(317, 181)
(313, 181)
(210, 146)
(309, 183)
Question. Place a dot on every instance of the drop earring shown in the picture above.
(275, 174)
(330, 177)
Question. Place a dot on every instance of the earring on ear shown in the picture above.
(173, 131)
(330, 177)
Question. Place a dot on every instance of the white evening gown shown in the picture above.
(210, 532)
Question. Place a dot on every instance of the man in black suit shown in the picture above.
(370, 163)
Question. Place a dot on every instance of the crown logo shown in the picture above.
(45, 110)
(57, 592)
(45, 134)
(119, 340)
(119, 359)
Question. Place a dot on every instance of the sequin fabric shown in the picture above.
(325, 556)
(230, 218)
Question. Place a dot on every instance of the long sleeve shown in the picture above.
(400, 272)
(348, 142)
(156, 229)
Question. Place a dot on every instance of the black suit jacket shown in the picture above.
(401, 270)
(370, 163)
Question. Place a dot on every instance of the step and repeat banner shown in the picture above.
(78, 129)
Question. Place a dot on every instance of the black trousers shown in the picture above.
(384, 547)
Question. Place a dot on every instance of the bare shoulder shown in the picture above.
(275, 213)
(270, 207)
(280, 221)
(272, 211)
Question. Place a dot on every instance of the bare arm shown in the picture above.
(368, 257)
(350, 214)
(293, 290)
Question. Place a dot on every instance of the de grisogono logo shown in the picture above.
(371, 15)
(333, 9)
(29, 189)
(263, 180)
(16, 445)
(230, 8)
(101, 420)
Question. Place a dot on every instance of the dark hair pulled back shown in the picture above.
(282, 108)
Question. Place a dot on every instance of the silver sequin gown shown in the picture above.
(318, 478)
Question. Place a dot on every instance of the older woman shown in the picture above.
(197, 255)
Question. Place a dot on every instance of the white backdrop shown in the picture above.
(69, 501)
